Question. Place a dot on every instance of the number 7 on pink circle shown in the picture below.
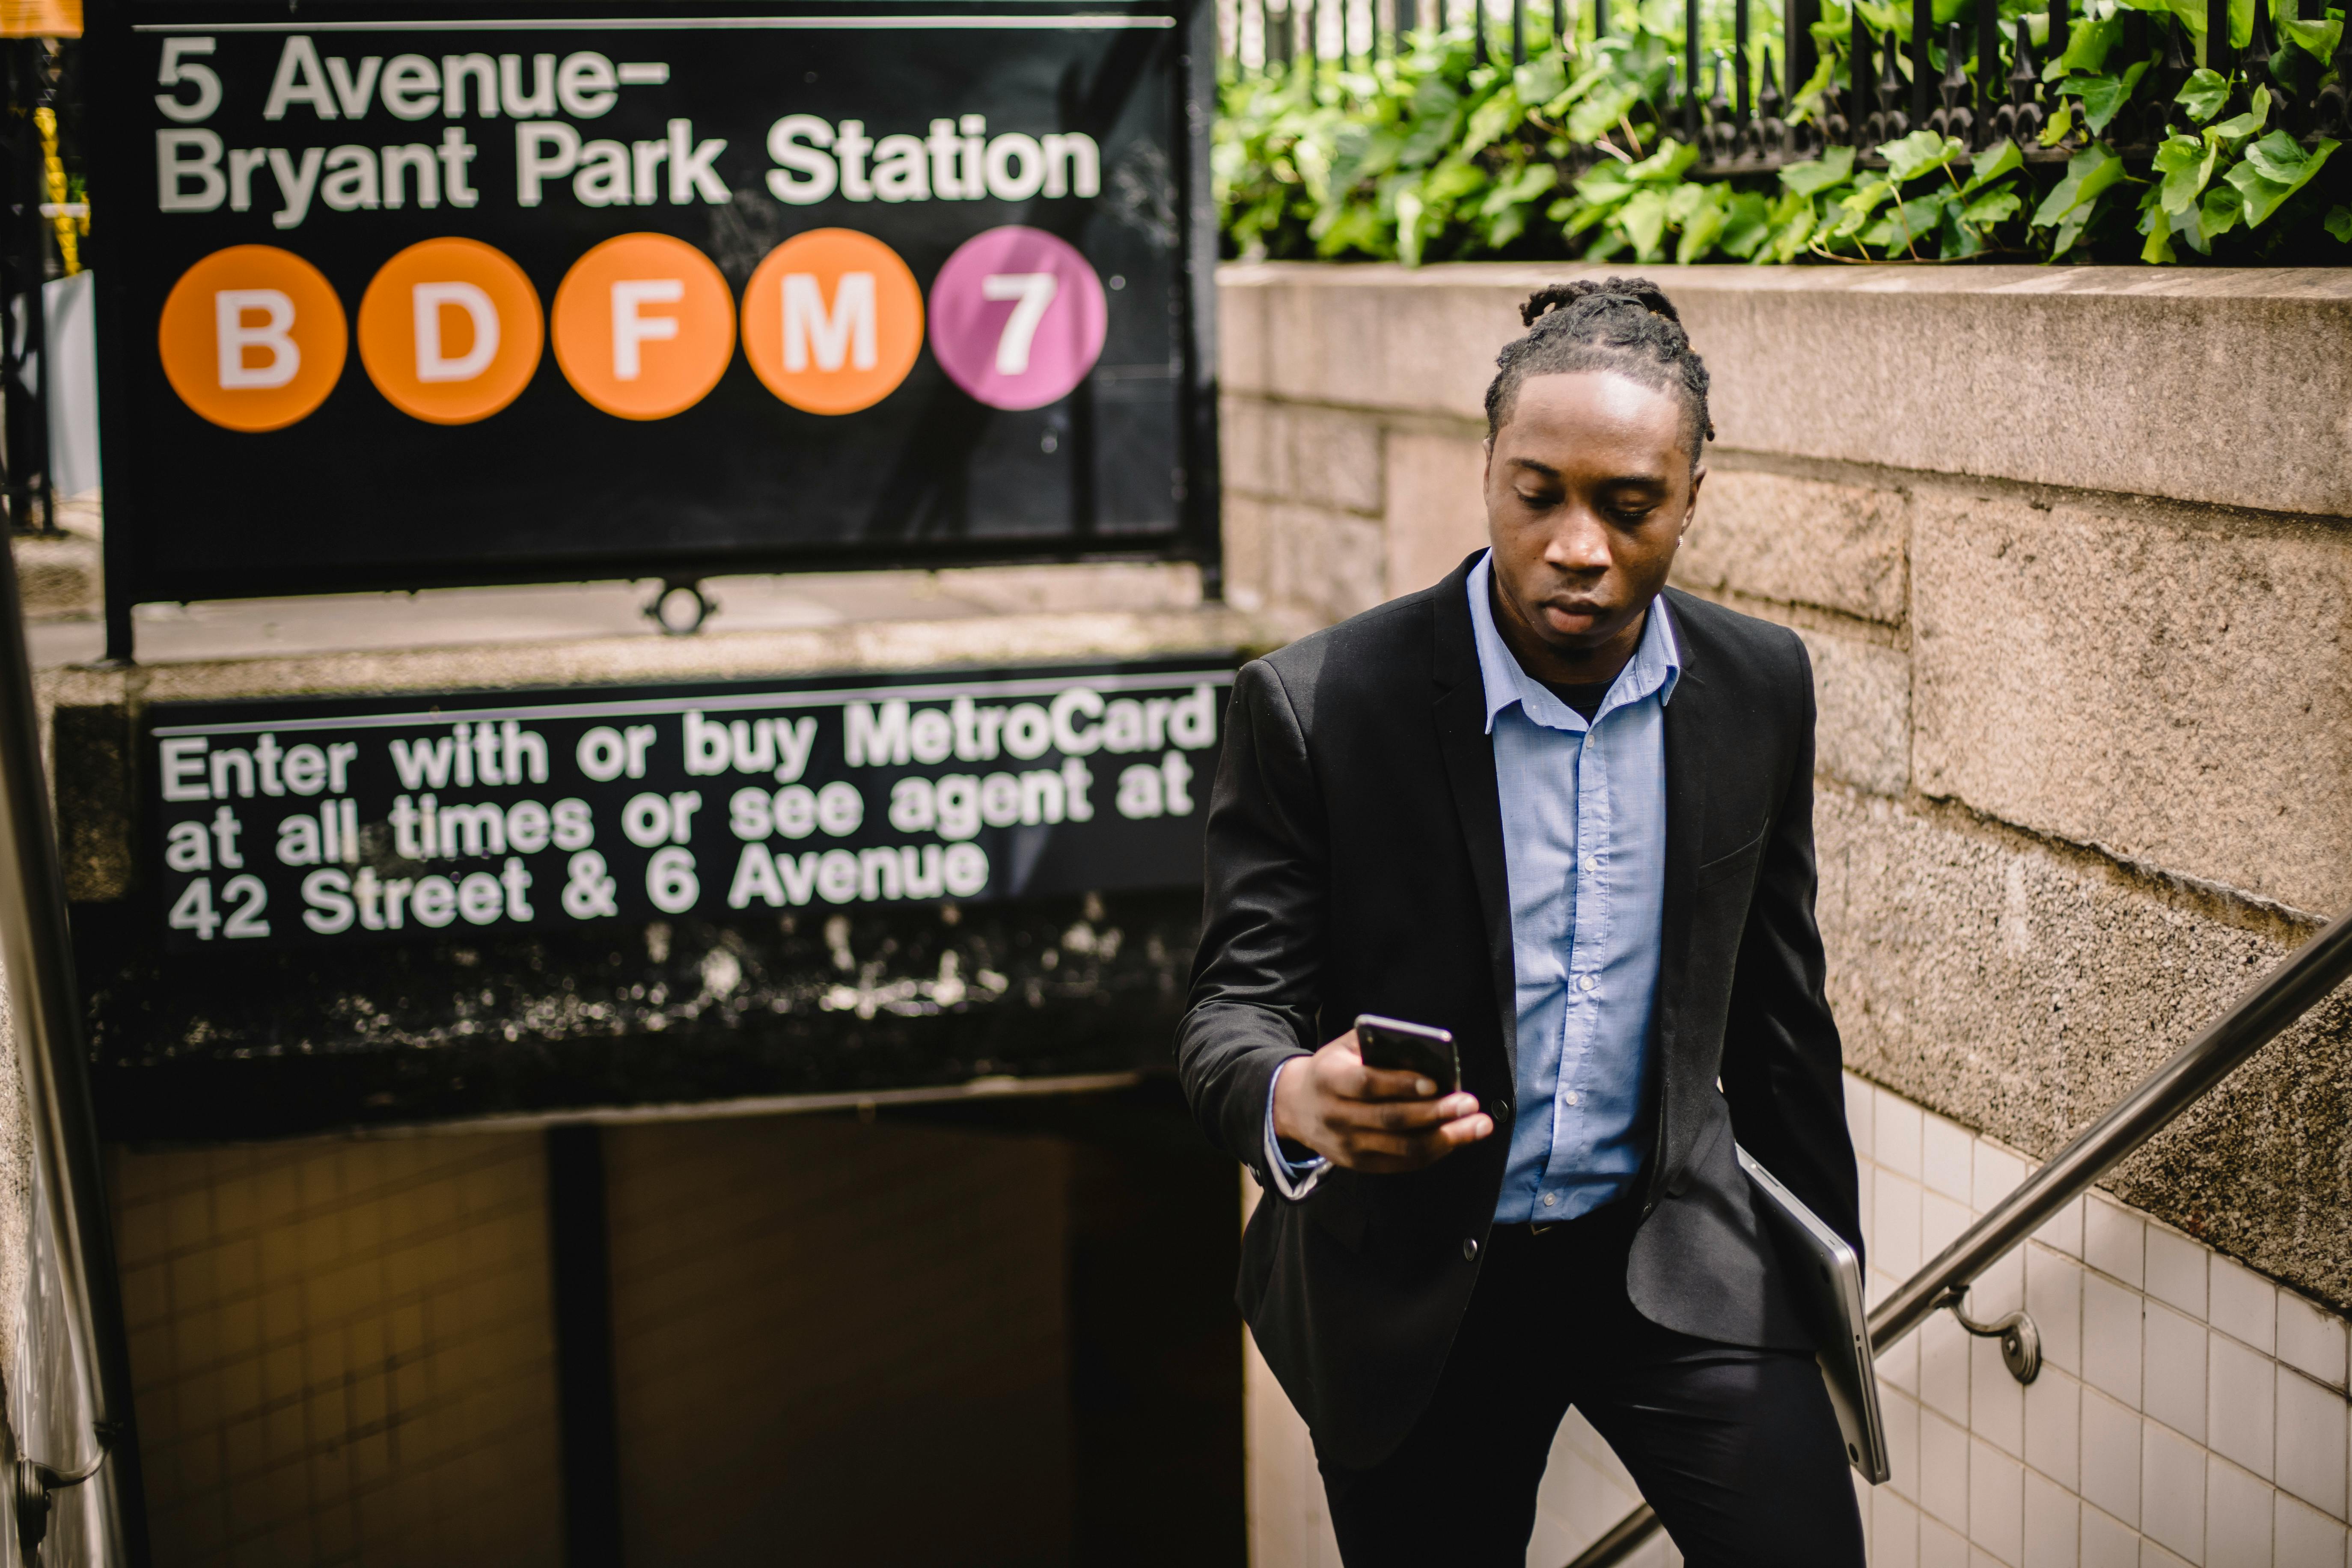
(1017, 317)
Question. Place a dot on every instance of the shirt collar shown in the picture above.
(1656, 667)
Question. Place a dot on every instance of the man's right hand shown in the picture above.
(1372, 1119)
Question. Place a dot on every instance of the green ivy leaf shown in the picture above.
(1541, 79)
(2105, 96)
(2339, 222)
(1700, 232)
(2088, 173)
(2187, 163)
(1644, 219)
(1599, 113)
(2280, 157)
(1916, 220)
(2158, 251)
(1921, 152)
(1430, 136)
(1991, 166)
(2246, 124)
(1815, 176)
(1665, 165)
(1689, 200)
(2318, 39)
(2220, 212)
(1514, 192)
(2203, 94)
(1604, 182)
(1858, 207)
(2087, 45)
(1992, 207)
(1488, 122)
(1747, 225)
(2263, 193)
(1792, 236)
(2060, 123)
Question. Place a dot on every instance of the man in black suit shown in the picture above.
(1566, 812)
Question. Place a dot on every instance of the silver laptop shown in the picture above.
(1827, 1276)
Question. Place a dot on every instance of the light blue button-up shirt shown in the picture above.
(1584, 837)
(1584, 850)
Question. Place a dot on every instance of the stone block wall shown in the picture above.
(2070, 550)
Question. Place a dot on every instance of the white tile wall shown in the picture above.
(2188, 1411)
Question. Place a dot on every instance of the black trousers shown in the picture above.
(1737, 1448)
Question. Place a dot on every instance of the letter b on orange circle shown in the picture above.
(644, 326)
(832, 320)
(450, 331)
(252, 338)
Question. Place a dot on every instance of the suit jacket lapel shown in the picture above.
(1688, 718)
(1460, 715)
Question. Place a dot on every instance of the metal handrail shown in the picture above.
(45, 1006)
(2260, 1014)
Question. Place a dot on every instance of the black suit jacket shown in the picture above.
(1355, 865)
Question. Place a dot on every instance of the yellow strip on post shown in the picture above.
(40, 18)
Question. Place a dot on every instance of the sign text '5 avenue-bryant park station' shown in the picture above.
(281, 822)
(395, 299)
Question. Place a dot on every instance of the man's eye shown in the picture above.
(1537, 502)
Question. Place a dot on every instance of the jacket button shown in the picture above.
(1470, 1248)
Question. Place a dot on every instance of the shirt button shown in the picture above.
(1470, 1248)
(1572, 1097)
(1550, 1198)
(1590, 861)
(1584, 982)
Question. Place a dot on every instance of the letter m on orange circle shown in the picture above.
(832, 320)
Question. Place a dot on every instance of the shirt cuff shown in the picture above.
(1292, 1180)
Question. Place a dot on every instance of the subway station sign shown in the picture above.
(400, 295)
(309, 822)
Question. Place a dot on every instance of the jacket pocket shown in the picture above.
(1337, 1206)
(1724, 867)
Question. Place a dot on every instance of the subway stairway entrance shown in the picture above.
(992, 1332)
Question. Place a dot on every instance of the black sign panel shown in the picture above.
(396, 296)
(308, 823)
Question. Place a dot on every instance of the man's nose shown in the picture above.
(1579, 544)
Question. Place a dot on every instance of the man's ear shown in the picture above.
(1690, 512)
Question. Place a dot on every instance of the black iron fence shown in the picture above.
(1983, 79)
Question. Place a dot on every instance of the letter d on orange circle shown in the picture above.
(644, 326)
(252, 338)
(832, 320)
(450, 331)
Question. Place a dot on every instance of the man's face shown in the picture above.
(1589, 488)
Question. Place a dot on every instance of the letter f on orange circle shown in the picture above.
(645, 326)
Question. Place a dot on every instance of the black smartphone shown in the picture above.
(1409, 1047)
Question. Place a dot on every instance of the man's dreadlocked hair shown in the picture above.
(1624, 324)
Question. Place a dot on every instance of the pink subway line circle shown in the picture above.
(1017, 317)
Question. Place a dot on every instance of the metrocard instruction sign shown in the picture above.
(283, 822)
(452, 294)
